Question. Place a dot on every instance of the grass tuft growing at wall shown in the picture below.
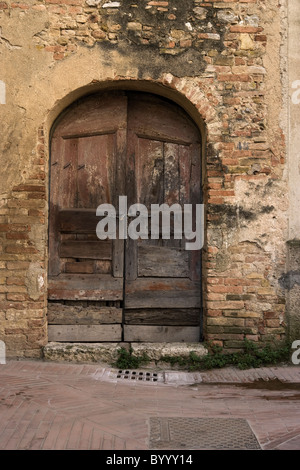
(252, 355)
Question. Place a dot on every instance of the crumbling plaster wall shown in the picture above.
(224, 63)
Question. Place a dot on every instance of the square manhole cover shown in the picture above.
(202, 433)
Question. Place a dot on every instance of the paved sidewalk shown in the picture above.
(47, 405)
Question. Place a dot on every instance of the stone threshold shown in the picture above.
(108, 352)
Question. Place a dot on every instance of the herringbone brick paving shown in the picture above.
(62, 406)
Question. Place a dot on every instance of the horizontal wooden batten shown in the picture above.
(85, 333)
(60, 314)
(160, 261)
(160, 137)
(175, 317)
(99, 249)
(83, 267)
(82, 135)
(162, 293)
(161, 334)
(85, 287)
(78, 220)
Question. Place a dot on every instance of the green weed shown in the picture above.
(252, 355)
(127, 360)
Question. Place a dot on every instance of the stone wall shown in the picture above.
(223, 61)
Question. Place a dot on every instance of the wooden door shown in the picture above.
(162, 279)
(85, 287)
(105, 146)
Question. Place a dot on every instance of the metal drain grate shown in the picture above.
(138, 375)
(202, 433)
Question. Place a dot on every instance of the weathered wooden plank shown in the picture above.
(60, 314)
(171, 183)
(171, 174)
(162, 293)
(78, 220)
(85, 333)
(195, 194)
(118, 258)
(119, 188)
(131, 245)
(159, 120)
(85, 287)
(175, 317)
(67, 173)
(103, 267)
(161, 261)
(54, 239)
(161, 334)
(96, 170)
(82, 267)
(100, 114)
(185, 164)
(149, 165)
(100, 249)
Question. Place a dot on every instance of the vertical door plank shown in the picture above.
(55, 170)
(171, 173)
(149, 172)
(195, 195)
(67, 196)
(184, 173)
(171, 186)
(131, 190)
(119, 189)
(95, 170)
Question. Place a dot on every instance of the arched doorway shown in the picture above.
(146, 148)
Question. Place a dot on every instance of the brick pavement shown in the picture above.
(62, 406)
